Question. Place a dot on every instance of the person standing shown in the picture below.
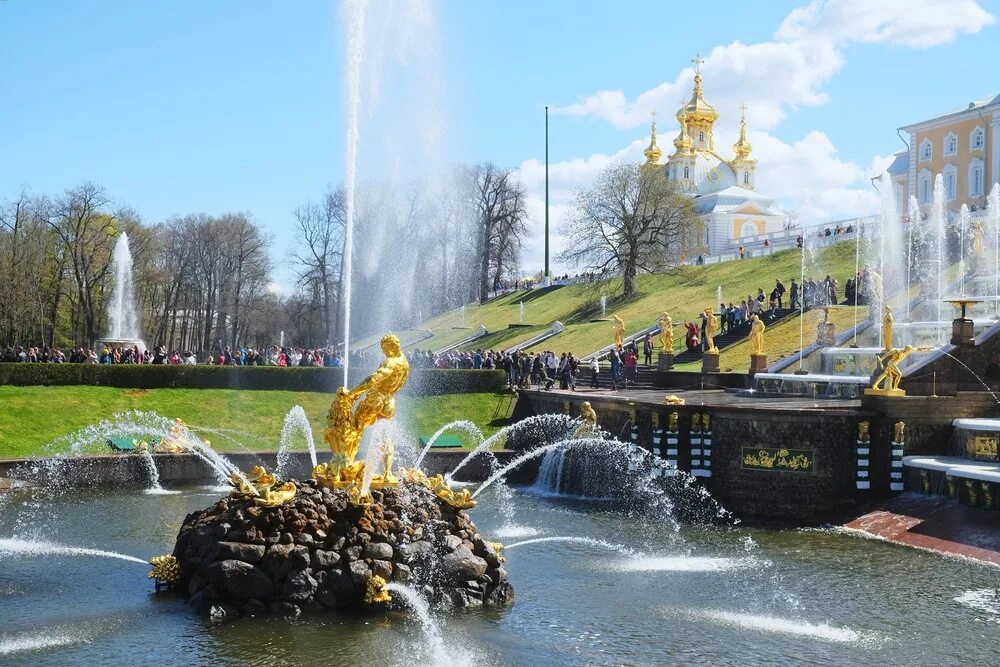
(631, 362)
(616, 363)
(794, 296)
(779, 287)
(647, 350)
(595, 371)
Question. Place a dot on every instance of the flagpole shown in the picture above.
(546, 277)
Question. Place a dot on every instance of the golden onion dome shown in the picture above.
(683, 141)
(653, 152)
(698, 110)
(742, 147)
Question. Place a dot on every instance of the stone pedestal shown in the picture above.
(963, 332)
(665, 361)
(710, 362)
(758, 363)
(895, 393)
(826, 334)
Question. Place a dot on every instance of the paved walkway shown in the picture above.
(708, 397)
(936, 524)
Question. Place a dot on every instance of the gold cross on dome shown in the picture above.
(653, 114)
(743, 109)
(698, 60)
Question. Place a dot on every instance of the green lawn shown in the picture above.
(34, 416)
(684, 292)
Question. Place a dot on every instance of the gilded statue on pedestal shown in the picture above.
(589, 417)
(666, 331)
(619, 331)
(347, 423)
(696, 422)
(898, 432)
(888, 380)
(711, 328)
(887, 329)
(978, 246)
(863, 431)
(756, 335)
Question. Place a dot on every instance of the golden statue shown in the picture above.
(977, 240)
(674, 400)
(696, 423)
(589, 417)
(706, 423)
(376, 592)
(619, 331)
(666, 331)
(898, 432)
(756, 335)
(887, 383)
(345, 428)
(388, 452)
(863, 435)
(711, 328)
(887, 329)
(259, 486)
(674, 417)
(165, 569)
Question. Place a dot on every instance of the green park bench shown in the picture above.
(445, 441)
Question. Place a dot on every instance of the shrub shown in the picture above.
(423, 381)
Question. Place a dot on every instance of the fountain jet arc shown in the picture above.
(123, 319)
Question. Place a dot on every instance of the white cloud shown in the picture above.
(917, 24)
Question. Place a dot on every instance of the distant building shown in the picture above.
(962, 145)
(723, 189)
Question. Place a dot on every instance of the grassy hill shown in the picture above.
(684, 292)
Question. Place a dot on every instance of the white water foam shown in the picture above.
(17, 547)
(36, 641)
(777, 625)
(510, 531)
(685, 564)
(160, 492)
(985, 600)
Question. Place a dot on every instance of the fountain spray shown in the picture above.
(355, 50)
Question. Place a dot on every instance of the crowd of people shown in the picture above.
(228, 356)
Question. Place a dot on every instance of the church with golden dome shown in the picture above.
(724, 189)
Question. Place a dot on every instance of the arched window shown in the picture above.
(687, 172)
(701, 136)
(977, 180)
(951, 144)
(950, 174)
(924, 192)
(977, 140)
(926, 150)
(749, 229)
(746, 178)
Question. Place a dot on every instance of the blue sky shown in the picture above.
(185, 106)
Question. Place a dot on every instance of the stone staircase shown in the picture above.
(723, 341)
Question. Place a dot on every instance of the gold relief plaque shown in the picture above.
(771, 458)
(983, 446)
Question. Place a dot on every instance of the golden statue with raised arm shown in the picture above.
(711, 328)
(346, 423)
(756, 335)
(666, 331)
(887, 383)
(619, 331)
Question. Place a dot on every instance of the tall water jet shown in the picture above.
(938, 220)
(890, 240)
(963, 230)
(123, 320)
(993, 210)
(355, 10)
(604, 306)
(295, 422)
(914, 214)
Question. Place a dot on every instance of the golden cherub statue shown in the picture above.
(388, 452)
(756, 335)
(898, 432)
(589, 417)
(887, 329)
(706, 423)
(888, 380)
(666, 331)
(345, 428)
(619, 330)
(259, 486)
(863, 431)
(711, 328)
(696, 422)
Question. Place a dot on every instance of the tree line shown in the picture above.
(206, 281)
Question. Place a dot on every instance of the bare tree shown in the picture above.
(501, 217)
(317, 254)
(632, 221)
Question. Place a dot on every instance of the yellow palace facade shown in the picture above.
(962, 145)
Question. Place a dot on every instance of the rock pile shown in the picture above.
(320, 552)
